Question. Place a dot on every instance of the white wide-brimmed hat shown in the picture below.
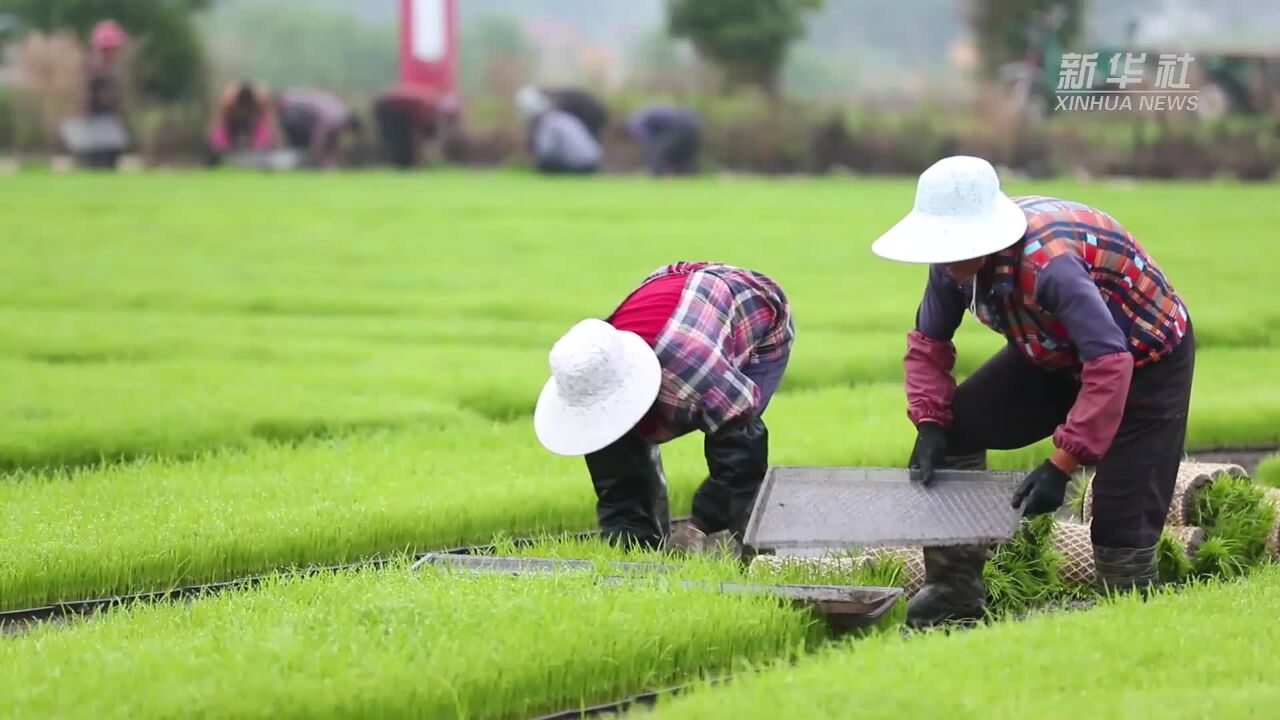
(960, 214)
(531, 102)
(603, 381)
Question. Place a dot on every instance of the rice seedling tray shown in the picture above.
(90, 606)
(843, 608)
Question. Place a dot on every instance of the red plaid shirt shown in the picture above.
(727, 318)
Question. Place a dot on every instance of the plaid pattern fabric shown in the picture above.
(728, 318)
(1131, 284)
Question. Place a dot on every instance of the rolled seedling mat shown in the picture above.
(822, 564)
(1072, 541)
(1192, 477)
(912, 560)
(1273, 538)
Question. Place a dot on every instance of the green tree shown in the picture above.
(747, 39)
(169, 62)
(1006, 30)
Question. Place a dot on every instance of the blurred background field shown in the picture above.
(866, 87)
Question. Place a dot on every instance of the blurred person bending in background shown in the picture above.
(313, 122)
(99, 136)
(408, 116)
(581, 104)
(243, 122)
(557, 141)
(670, 137)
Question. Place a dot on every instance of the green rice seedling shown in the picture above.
(1076, 493)
(883, 571)
(270, 320)
(1171, 559)
(1236, 522)
(1128, 663)
(396, 644)
(1022, 573)
(449, 479)
(1220, 556)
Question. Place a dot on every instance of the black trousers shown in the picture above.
(1010, 403)
(631, 489)
(675, 151)
(395, 129)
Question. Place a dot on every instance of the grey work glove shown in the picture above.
(929, 453)
(1043, 490)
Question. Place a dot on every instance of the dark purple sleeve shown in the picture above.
(1065, 289)
(930, 353)
(942, 307)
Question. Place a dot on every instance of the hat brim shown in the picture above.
(580, 429)
(924, 238)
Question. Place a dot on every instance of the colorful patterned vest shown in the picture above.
(1141, 300)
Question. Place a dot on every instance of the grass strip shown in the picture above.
(1205, 652)
(455, 479)
(392, 643)
(267, 320)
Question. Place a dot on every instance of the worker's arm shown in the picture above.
(930, 353)
(320, 150)
(1065, 289)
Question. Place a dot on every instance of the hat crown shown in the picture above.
(531, 102)
(959, 187)
(589, 362)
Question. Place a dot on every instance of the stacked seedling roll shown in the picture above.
(1192, 478)
(1072, 542)
(833, 567)
(1273, 537)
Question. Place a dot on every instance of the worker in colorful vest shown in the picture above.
(1099, 357)
(697, 346)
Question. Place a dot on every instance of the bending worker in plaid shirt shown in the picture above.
(1100, 357)
(698, 346)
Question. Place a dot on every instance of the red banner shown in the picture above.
(429, 44)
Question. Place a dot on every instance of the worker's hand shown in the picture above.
(1043, 490)
(929, 454)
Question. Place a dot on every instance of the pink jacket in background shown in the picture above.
(263, 136)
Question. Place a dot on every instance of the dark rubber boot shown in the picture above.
(953, 590)
(662, 506)
(631, 493)
(1125, 569)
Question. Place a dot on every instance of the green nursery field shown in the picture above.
(1207, 652)
(209, 376)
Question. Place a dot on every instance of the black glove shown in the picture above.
(1044, 490)
(930, 452)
